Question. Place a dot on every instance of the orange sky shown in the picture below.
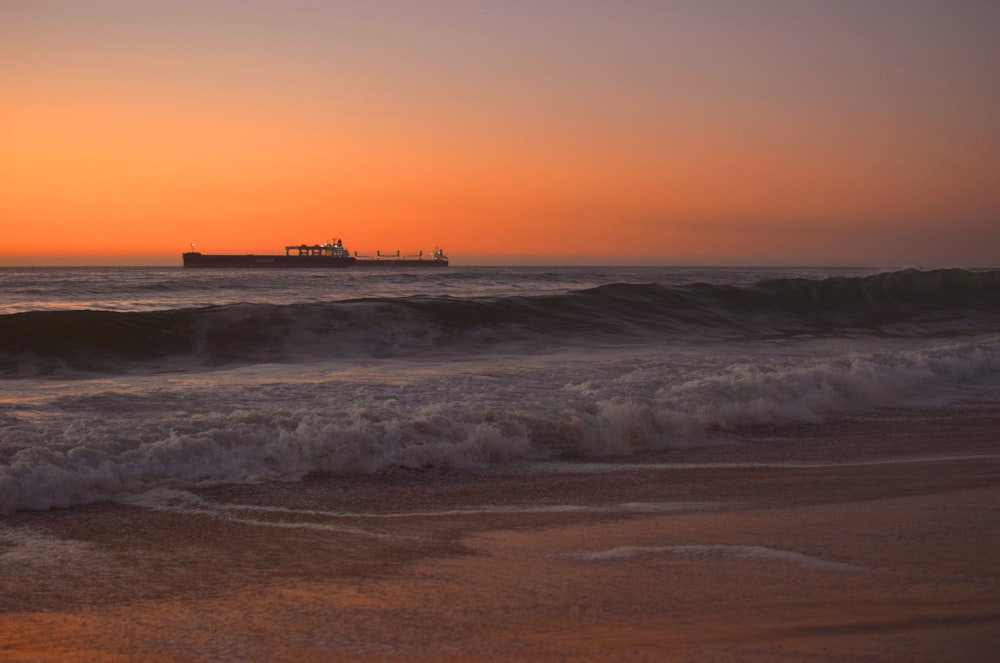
(744, 132)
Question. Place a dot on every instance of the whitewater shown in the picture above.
(115, 382)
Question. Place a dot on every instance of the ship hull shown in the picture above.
(399, 263)
(213, 261)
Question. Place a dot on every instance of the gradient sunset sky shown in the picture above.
(630, 132)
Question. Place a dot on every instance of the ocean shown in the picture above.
(340, 403)
(117, 381)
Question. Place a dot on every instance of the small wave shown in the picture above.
(700, 550)
(366, 523)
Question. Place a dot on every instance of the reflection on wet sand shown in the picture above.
(840, 542)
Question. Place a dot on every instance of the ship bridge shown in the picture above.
(332, 248)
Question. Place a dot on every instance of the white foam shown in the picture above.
(550, 467)
(97, 440)
(182, 501)
(187, 503)
(174, 499)
(759, 552)
(791, 390)
(631, 507)
(21, 548)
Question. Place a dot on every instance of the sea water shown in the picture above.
(115, 382)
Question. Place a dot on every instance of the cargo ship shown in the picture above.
(327, 255)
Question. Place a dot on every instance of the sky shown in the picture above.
(660, 132)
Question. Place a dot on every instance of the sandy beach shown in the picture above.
(850, 541)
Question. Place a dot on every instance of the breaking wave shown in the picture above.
(906, 303)
(84, 446)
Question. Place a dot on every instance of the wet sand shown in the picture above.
(854, 541)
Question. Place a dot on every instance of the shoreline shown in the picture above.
(841, 541)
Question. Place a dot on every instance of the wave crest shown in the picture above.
(905, 303)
